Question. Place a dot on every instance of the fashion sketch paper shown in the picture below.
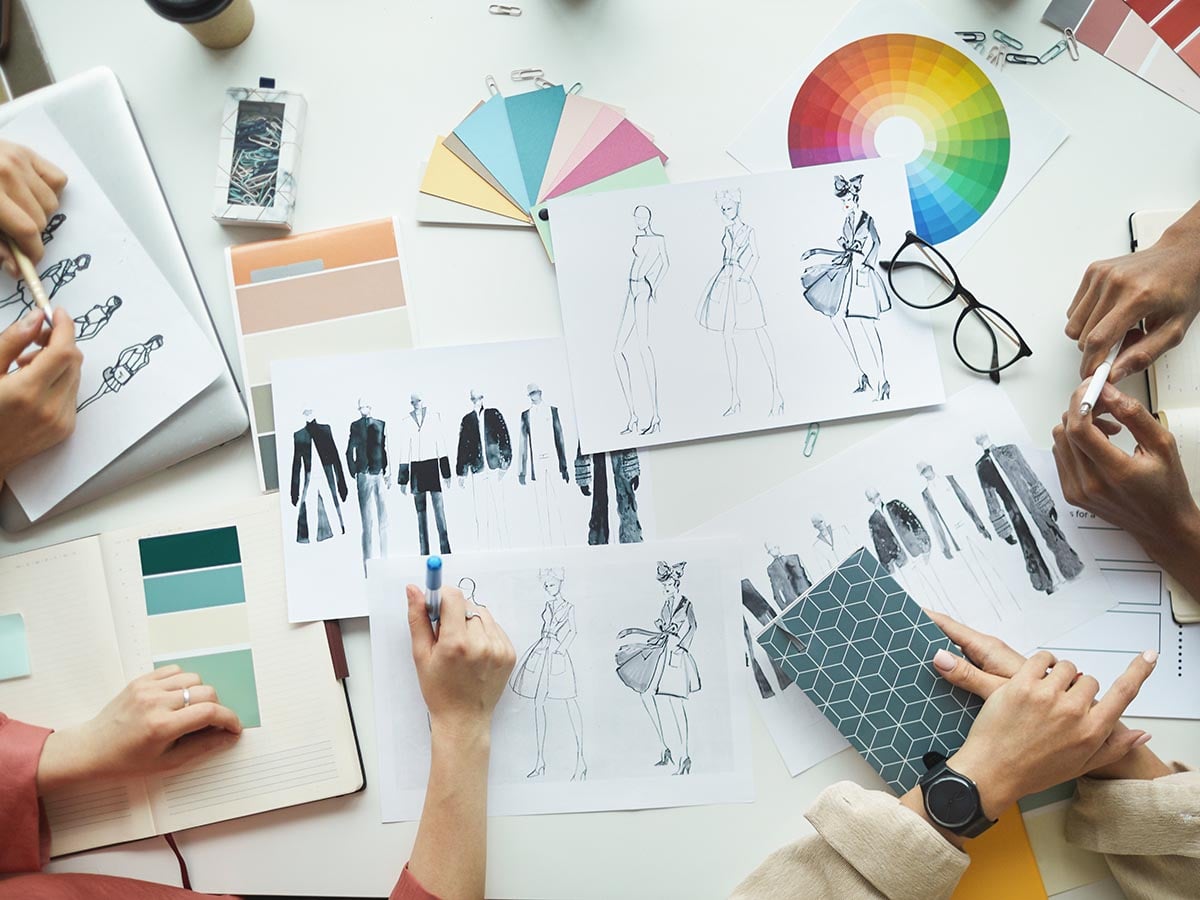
(957, 506)
(625, 693)
(412, 452)
(893, 81)
(143, 355)
(721, 307)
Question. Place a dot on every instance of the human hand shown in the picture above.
(1145, 493)
(29, 190)
(565, 476)
(1160, 284)
(521, 477)
(586, 490)
(635, 481)
(463, 668)
(144, 730)
(37, 400)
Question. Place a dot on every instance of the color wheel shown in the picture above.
(916, 98)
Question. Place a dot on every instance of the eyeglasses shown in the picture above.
(985, 341)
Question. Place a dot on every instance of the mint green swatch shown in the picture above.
(194, 590)
(231, 673)
(14, 649)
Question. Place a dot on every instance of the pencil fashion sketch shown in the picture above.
(96, 319)
(731, 302)
(484, 455)
(662, 665)
(649, 267)
(333, 492)
(848, 287)
(546, 672)
(543, 463)
(367, 464)
(129, 362)
(53, 280)
(52, 225)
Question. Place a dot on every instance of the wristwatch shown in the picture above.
(951, 799)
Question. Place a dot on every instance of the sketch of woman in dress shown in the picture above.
(662, 666)
(732, 303)
(546, 672)
(650, 264)
(54, 278)
(129, 362)
(849, 287)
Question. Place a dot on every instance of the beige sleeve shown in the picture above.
(1149, 831)
(846, 857)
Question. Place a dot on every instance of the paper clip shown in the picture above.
(543, 82)
(972, 37)
(527, 74)
(499, 9)
(576, 88)
(1007, 40)
(810, 441)
(1055, 51)
(1072, 44)
(996, 56)
(1022, 59)
(492, 87)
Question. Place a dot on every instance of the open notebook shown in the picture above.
(1175, 392)
(206, 592)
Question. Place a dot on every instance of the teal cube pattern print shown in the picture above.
(860, 648)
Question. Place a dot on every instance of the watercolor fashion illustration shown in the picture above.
(546, 672)
(662, 665)
(649, 267)
(848, 288)
(731, 302)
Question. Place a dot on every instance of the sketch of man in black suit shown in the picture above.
(757, 610)
(424, 465)
(484, 455)
(320, 436)
(900, 538)
(1010, 484)
(367, 463)
(787, 576)
(592, 478)
(542, 448)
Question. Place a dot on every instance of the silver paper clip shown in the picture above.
(1007, 39)
(1072, 44)
(542, 82)
(972, 37)
(527, 74)
(576, 88)
(492, 87)
(996, 56)
(1054, 52)
(499, 9)
(810, 441)
(1022, 59)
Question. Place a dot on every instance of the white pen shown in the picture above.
(1098, 380)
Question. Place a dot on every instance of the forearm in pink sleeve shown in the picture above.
(408, 888)
(26, 844)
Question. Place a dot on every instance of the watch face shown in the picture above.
(951, 802)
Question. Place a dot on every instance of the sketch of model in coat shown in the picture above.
(833, 544)
(961, 534)
(546, 672)
(900, 538)
(484, 455)
(1014, 493)
(367, 465)
(129, 362)
(731, 302)
(332, 492)
(96, 319)
(544, 463)
(649, 267)
(786, 574)
(662, 665)
(592, 478)
(53, 280)
(848, 288)
(424, 465)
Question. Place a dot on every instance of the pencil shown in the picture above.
(32, 281)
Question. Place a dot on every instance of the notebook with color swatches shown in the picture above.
(861, 648)
(510, 155)
(205, 593)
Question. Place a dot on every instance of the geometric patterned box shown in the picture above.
(862, 650)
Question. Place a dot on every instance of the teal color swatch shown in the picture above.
(533, 118)
(487, 134)
(191, 550)
(194, 590)
(231, 673)
(14, 648)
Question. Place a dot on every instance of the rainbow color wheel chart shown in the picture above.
(918, 99)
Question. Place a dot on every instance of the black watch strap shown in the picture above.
(938, 776)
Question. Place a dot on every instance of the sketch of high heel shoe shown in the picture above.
(885, 391)
(685, 766)
(666, 758)
(654, 427)
(777, 409)
(580, 770)
(631, 427)
(734, 408)
(538, 771)
(863, 384)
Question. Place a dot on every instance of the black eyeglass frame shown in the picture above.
(959, 292)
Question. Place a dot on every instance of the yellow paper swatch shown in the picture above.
(449, 177)
(1003, 866)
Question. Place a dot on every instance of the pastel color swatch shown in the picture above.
(231, 674)
(960, 167)
(534, 117)
(14, 647)
(624, 147)
(486, 132)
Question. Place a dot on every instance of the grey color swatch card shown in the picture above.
(860, 648)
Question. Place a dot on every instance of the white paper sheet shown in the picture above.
(912, 127)
(506, 504)
(684, 303)
(614, 740)
(91, 258)
(984, 582)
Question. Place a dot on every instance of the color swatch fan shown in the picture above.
(509, 155)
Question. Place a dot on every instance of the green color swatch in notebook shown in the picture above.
(14, 648)
(231, 674)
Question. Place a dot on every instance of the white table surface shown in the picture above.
(382, 79)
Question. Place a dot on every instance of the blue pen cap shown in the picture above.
(433, 573)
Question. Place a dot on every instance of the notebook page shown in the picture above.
(75, 669)
(304, 748)
(1184, 423)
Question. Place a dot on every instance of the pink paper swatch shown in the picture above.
(624, 147)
